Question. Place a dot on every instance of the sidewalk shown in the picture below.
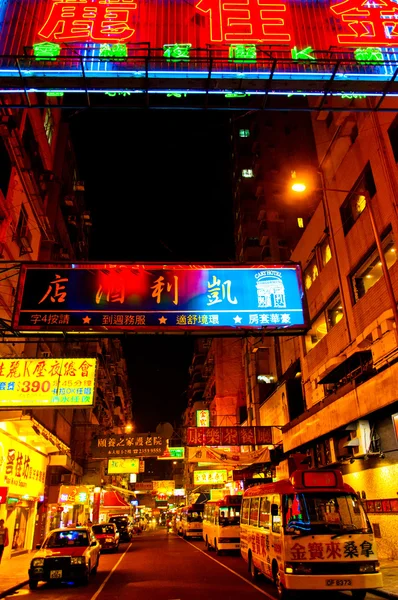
(14, 574)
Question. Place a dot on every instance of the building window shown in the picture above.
(5, 168)
(300, 222)
(393, 135)
(326, 252)
(244, 133)
(247, 173)
(49, 125)
(310, 274)
(371, 271)
(328, 318)
(355, 203)
(23, 235)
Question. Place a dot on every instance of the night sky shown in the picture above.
(158, 185)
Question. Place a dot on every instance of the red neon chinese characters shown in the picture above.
(83, 21)
(368, 22)
(247, 21)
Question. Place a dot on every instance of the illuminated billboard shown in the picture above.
(145, 298)
(47, 382)
(203, 418)
(204, 48)
(119, 466)
(213, 476)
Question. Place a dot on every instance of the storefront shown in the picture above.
(22, 473)
(112, 504)
(68, 505)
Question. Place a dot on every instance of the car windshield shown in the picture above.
(119, 521)
(98, 529)
(229, 515)
(65, 539)
(324, 512)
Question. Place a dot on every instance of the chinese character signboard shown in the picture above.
(144, 486)
(165, 487)
(229, 436)
(214, 476)
(22, 469)
(202, 418)
(47, 382)
(173, 453)
(154, 298)
(131, 444)
(123, 465)
(73, 494)
(239, 24)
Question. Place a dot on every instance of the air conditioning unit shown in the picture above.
(360, 435)
(331, 451)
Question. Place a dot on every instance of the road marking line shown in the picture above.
(231, 571)
(103, 584)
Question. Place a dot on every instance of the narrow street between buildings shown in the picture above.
(162, 566)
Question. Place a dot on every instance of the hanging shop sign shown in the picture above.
(231, 459)
(214, 476)
(229, 436)
(176, 298)
(73, 494)
(165, 487)
(177, 452)
(144, 486)
(203, 418)
(123, 466)
(197, 24)
(47, 382)
(132, 444)
(22, 469)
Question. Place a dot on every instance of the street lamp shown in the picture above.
(299, 186)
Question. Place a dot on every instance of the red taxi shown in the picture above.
(67, 554)
(107, 535)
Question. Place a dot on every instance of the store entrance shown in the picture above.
(20, 529)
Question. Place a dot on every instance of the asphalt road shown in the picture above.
(161, 566)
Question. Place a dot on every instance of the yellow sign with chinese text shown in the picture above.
(47, 382)
(123, 465)
(210, 476)
(202, 418)
(166, 487)
(22, 469)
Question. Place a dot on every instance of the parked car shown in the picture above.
(67, 554)
(124, 527)
(107, 535)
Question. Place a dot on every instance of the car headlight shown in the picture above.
(77, 560)
(37, 562)
(370, 567)
(109, 539)
(298, 568)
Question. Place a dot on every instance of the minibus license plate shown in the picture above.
(55, 574)
(338, 582)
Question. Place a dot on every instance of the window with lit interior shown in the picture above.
(310, 274)
(327, 319)
(355, 203)
(369, 273)
(326, 252)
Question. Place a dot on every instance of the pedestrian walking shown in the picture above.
(3, 538)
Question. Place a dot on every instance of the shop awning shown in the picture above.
(114, 500)
(351, 367)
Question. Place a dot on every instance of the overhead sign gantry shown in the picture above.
(200, 53)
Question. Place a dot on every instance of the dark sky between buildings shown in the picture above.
(158, 185)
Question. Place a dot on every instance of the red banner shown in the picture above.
(229, 436)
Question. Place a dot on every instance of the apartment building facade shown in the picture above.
(43, 217)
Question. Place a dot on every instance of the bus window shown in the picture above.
(245, 510)
(254, 511)
(265, 509)
(276, 518)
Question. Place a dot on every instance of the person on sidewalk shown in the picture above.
(3, 538)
